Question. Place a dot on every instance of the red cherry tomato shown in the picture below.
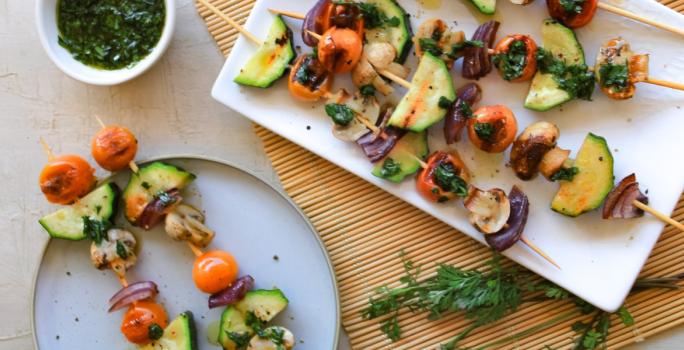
(113, 147)
(427, 183)
(529, 65)
(137, 321)
(573, 19)
(309, 80)
(214, 271)
(492, 128)
(340, 49)
(66, 178)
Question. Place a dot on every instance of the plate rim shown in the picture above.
(233, 165)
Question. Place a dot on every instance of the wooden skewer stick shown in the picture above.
(539, 251)
(131, 164)
(524, 239)
(120, 270)
(625, 13)
(669, 84)
(287, 13)
(195, 249)
(230, 21)
(47, 150)
(664, 218)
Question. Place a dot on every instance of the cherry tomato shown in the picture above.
(66, 178)
(113, 147)
(214, 271)
(340, 49)
(309, 80)
(529, 65)
(137, 321)
(492, 128)
(428, 184)
(570, 18)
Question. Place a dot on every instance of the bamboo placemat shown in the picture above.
(363, 237)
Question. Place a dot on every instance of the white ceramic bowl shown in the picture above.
(46, 17)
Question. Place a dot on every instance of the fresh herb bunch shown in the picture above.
(488, 296)
(576, 79)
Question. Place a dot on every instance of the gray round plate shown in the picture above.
(269, 236)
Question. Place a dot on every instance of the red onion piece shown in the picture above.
(132, 293)
(456, 120)
(619, 203)
(155, 210)
(377, 147)
(234, 293)
(313, 21)
(507, 237)
(476, 60)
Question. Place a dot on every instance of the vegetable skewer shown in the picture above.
(524, 239)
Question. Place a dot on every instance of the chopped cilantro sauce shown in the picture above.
(110, 34)
(513, 62)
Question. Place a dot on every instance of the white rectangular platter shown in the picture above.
(600, 259)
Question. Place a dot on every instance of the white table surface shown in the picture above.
(169, 109)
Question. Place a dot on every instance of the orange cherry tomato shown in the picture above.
(340, 49)
(66, 178)
(571, 18)
(113, 147)
(506, 66)
(137, 321)
(428, 184)
(214, 271)
(309, 80)
(492, 128)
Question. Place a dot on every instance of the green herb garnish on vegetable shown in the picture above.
(565, 174)
(155, 331)
(430, 45)
(368, 90)
(576, 80)
(448, 180)
(485, 131)
(614, 76)
(445, 103)
(572, 6)
(340, 114)
(465, 109)
(96, 230)
(121, 250)
(241, 340)
(372, 16)
(513, 62)
(390, 168)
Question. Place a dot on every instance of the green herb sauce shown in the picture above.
(340, 114)
(576, 80)
(390, 168)
(485, 131)
(614, 76)
(513, 62)
(110, 34)
(572, 6)
(448, 180)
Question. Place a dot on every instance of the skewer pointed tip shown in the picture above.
(539, 251)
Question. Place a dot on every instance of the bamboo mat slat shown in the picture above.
(363, 240)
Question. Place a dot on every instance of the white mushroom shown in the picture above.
(489, 210)
(380, 55)
(367, 110)
(436, 31)
(115, 251)
(275, 338)
(185, 223)
(377, 56)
